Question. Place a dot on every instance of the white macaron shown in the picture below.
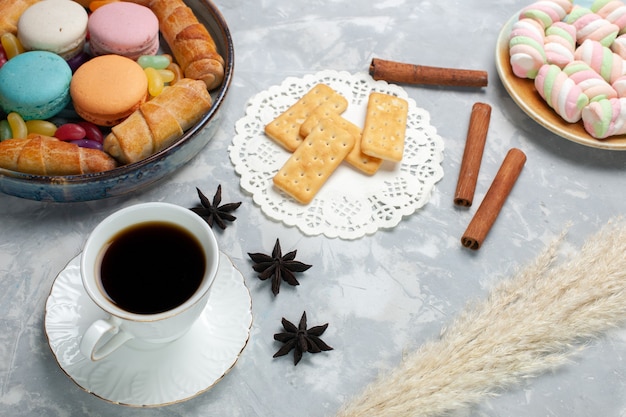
(58, 26)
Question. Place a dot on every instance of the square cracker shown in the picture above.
(285, 128)
(385, 127)
(364, 163)
(319, 155)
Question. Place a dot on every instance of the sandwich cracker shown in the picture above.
(285, 128)
(312, 163)
(385, 127)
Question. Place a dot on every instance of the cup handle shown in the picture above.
(102, 338)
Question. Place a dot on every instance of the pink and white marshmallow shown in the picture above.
(560, 43)
(612, 10)
(526, 48)
(619, 46)
(593, 85)
(619, 86)
(589, 25)
(605, 118)
(546, 12)
(561, 93)
(604, 61)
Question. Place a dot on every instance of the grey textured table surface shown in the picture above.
(382, 295)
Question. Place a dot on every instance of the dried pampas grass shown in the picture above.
(529, 324)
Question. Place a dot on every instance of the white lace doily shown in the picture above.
(350, 204)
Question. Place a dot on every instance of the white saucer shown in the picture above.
(172, 373)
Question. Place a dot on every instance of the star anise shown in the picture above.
(213, 212)
(300, 339)
(278, 267)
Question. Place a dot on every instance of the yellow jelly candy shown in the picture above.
(18, 126)
(11, 44)
(42, 127)
(155, 82)
(177, 70)
(166, 75)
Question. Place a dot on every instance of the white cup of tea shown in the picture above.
(150, 268)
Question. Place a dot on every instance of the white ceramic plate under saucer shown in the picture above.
(172, 373)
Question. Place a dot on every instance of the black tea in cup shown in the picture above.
(152, 267)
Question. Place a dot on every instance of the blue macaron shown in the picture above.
(35, 85)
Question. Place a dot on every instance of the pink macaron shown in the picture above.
(123, 28)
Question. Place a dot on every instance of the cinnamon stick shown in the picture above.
(399, 72)
(473, 154)
(491, 205)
